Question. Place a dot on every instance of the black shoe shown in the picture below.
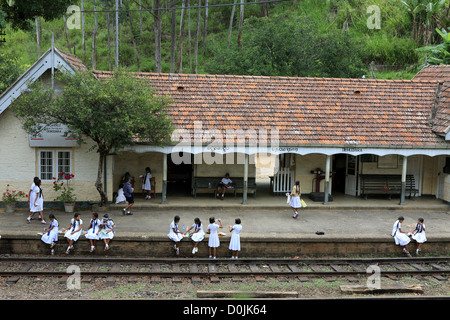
(129, 214)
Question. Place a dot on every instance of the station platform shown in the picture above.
(349, 225)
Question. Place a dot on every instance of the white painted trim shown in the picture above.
(301, 150)
(44, 63)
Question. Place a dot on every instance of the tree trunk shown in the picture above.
(67, 33)
(173, 35)
(205, 27)
(241, 22)
(157, 30)
(230, 28)
(109, 41)
(94, 35)
(180, 41)
(133, 39)
(99, 181)
(199, 10)
(38, 35)
(83, 29)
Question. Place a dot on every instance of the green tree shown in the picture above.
(10, 70)
(439, 53)
(288, 47)
(20, 12)
(113, 113)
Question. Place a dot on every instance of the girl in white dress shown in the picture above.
(213, 241)
(92, 232)
(174, 234)
(146, 184)
(120, 196)
(419, 234)
(73, 231)
(235, 242)
(401, 238)
(107, 230)
(295, 202)
(50, 235)
(36, 201)
(198, 234)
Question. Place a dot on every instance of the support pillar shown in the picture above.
(327, 179)
(244, 195)
(402, 195)
(164, 182)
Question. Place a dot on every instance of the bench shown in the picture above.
(387, 184)
(211, 183)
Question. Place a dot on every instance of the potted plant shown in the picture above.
(10, 198)
(66, 195)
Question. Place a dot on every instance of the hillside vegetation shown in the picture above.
(338, 38)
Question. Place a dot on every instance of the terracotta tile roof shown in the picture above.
(440, 116)
(73, 60)
(306, 111)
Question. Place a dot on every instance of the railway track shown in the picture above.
(303, 269)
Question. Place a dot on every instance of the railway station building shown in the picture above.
(359, 137)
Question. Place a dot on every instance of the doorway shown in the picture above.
(345, 174)
(179, 177)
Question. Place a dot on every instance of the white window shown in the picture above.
(52, 162)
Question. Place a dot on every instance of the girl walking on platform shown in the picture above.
(401, 238)
(50, 235)
(213, 241)
(36, 200)
(92, 232)
(174, 234)
(419, 235)
(295, 198)
(198, 234)
(235, 242)
(73, 231)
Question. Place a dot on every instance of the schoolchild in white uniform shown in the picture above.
(224, 184)
(146, 183)
(213, 241)
(94, 229)
(120, 195)
(36, 197)
(107, 230)
(197, 235)
(174, 234)
(235, 241)
(73, 231)
(295, 202)
(419, 235)
(50, 235)
(401, 238)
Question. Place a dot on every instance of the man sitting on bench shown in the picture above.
(224, 184)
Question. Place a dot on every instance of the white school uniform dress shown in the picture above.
(420, 235)
(75, 224)
(103, 234)
(199, 235)
(226, 181)
(146, 185)
(39, 201)
(400, 238)
(120, 196)
(52, 235)
(173, 235)
(92, 232)
(235, 242)
(213, 241)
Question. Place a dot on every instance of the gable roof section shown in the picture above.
(440, 115)
(58, 59)
(306, 111)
